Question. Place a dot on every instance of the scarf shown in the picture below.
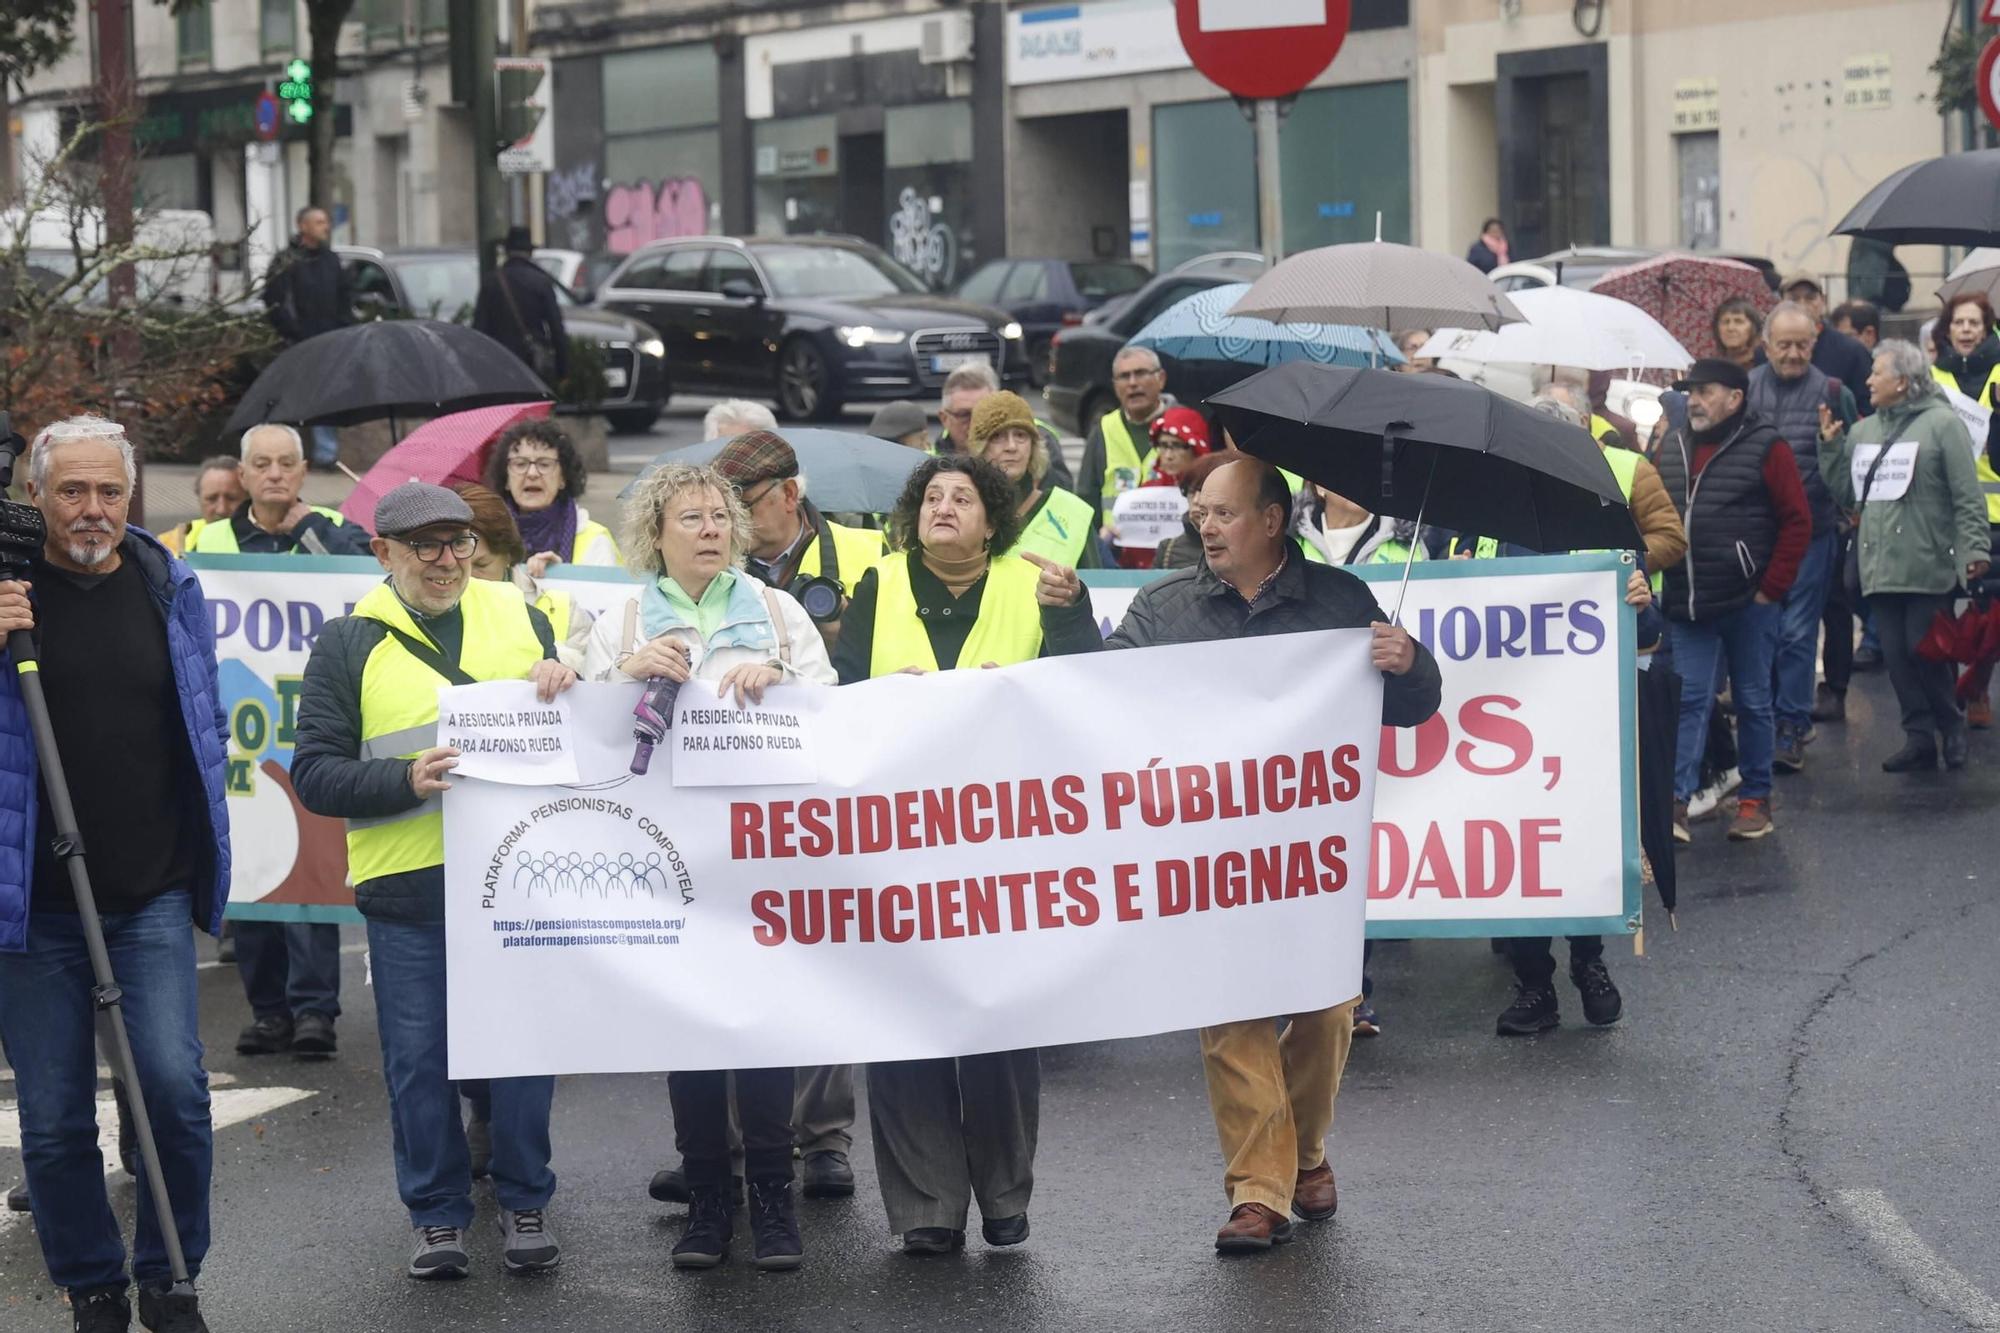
(549, 529)
(1972, 369)
(956, 575)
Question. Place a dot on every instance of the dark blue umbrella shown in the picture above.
(1201, 329)
(844, 471)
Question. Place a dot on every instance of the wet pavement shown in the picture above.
(1789, 1130)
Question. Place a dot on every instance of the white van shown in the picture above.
(175, 263)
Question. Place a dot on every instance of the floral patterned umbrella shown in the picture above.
(1682, 292)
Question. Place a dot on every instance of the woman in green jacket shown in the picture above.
(1908, 469)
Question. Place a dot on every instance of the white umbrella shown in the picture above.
(1566, 327)
(1978, 274)
(1377, 285)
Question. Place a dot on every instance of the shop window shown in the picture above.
(797, 169)
(192, 38)
(662, 88)
(1205, 181)
(278, 27)
(1345, 155)
(1699, 157)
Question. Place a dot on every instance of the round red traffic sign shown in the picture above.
(1989, 70)
(1262, 48)
(268, 121)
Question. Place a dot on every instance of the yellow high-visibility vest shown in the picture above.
(1989, 480)
(855, 551)
(1059, 530)
(399, 711)
(1125, 467)
(1009, 628)
(219, 537)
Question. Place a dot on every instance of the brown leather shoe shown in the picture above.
(1314, 1198)
(1252, 1227)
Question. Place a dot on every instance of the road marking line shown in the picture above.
(1930, 1279)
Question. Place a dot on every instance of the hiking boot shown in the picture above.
(1753, 820)
(827, 1175)
(99, 1310)
(774, 1227)
(163, 1309)
(704, 1241)
(479, 1146)
(1918, 755)
(1789, 756)
(1367, 1023)
(1682, 833)
(267, 1036)
(440, 1254)
(313, 1035)
(528, 1243)
(1979, 714)
(1602, 1004)
(1829, 704)
(1533, 1011)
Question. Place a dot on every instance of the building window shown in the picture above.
(1700, 157)
(192, 35)
(382, 21)
(1345, 155)
(434, 17)
(1205, 181)
(280, 33)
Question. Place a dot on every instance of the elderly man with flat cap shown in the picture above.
(367, 752)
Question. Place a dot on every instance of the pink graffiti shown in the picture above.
(641, 212)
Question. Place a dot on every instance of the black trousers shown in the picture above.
(1534, 959)
(1923, 688)
(701, 1123)
(1837, 654)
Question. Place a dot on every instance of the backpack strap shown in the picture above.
(630, 638)
(778, 624)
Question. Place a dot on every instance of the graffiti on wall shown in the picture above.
(643, 211)
(568, 201)
(922, 244)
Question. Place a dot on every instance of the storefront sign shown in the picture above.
(1865, 83)
(1089, 41)
(1697, 106)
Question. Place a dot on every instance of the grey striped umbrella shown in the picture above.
(1380, 285)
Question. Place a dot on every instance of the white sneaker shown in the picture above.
(1731, 780)
(1702, 804)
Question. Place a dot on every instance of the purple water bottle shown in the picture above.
(652, 718)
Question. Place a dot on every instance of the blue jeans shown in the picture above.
(49, 1028)
(1748, 638)
(1798, 634)
(325, 446)
(433, 1167)
(289, 967)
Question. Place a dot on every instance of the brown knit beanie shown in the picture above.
(993, 414)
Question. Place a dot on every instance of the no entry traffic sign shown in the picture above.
(1989, 69)
(1262, 48)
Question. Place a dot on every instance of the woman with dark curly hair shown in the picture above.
(1738, 329)
(951, 1130)
(540, 472)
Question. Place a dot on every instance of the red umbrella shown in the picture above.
(443, 450)
(1682, 292)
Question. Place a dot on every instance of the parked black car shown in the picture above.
(1079, 387)
(812, 322)
(1044, 295)
(443, 283)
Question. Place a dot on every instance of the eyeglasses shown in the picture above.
(430, 552)
(956, 413)
(526, 465)
(1133, 376)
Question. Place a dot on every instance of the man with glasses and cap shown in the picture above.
(367, 752)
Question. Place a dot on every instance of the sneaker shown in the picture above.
(1790, 754)
(1601, 1002)
(1829, 704)
(1753, 820)
(440, 1253)
(165, 1309)
(99, 1310)
(1367, 1023)
(704, 1241)
(1731, 779)
(774, 1227)
(267, 1036)
(1979, 715)
(479, 1147)
(1533, 1011)
(1682, 833)
(528, 1243)
(312, 1035)
(827, 1175)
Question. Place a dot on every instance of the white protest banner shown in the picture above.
(1892, 478)
(717, 744)
(1077, 880)
(503, 733)
(1148, 516)
(1974, 415)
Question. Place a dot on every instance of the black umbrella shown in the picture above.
(1953, 200)
(386, 368)
(1434, 448)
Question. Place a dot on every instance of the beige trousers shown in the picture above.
(1272, 1097)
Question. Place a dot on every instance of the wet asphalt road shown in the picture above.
(1790, 1130)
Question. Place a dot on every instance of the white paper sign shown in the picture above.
(1892, 479)
(1252, 15)
(716, 744)
(1975, 416)
(1148, 516)
(505, 734)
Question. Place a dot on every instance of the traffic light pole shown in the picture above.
(484, 39)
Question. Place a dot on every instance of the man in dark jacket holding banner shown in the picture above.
(1748, 525)
(1273, 1095)
(127, 661)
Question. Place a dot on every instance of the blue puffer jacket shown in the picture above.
(191, 645)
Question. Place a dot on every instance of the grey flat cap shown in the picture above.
(892, 421)
(416, 505)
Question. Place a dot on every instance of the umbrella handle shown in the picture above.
(1410, 559)
(1389, 438)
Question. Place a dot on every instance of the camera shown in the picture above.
(821, 597)
(22, 531)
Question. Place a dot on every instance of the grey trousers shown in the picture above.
(949, 1131)
(1924, 689)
